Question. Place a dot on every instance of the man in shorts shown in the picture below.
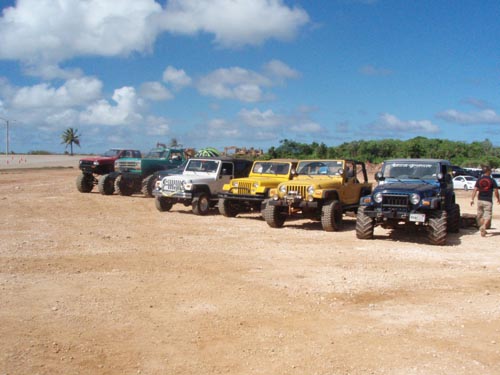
(485, 186)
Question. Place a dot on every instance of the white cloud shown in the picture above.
(43, 33)
(157, 126)
(487, 116)
(280, 70)
(388, 122)
(234, 83)
(176, 77)
(74, 92)
(235, 22)
(155, 91)
(258, 119)
(126, 110)
(307, 127)
(221, 128)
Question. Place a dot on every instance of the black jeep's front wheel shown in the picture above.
(274, 216)
(364, 225)
(437, 227)
(227, 208)
(123, 186)
(163, 204)
(85, 183)
(106, 185)
(454, 218)
(331, 216)
(201, 204)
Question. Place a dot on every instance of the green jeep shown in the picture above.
(248, 193)
(322, 190)
(133, 175)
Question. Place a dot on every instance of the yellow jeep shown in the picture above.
(323, 190)
(247, 194)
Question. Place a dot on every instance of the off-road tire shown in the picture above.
(331, 216)
(364, 225)
(226, 208)
(454, 218)
(85, 183)
(163, 204)
(274, 216)
(201, 204)
(122, 187)
(437, 228)
(148, 185)
(106, 185)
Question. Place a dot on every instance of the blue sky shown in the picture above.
(247, 73)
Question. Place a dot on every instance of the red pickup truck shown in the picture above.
(95, 170)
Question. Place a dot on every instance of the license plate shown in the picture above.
(417, 217)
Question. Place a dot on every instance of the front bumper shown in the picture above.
(173, 194)
(242, 197)
(381, 214)
(293, 202)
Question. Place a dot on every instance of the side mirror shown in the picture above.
(379, 176)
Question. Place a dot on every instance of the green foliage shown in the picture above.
(39, 152)
(463, 154)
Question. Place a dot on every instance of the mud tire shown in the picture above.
(85, 183)
(122, 187)
(454, 218)
(201, 204)
(148, 185)
(274, 216)
(364, 225)
(163, 204)
(226, 208)
(331, 216)
(106, 185)
(437, 228)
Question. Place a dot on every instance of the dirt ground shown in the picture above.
(94, 284)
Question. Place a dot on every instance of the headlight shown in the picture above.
(234, 183)
(377, 197)
(282, 189)
(255, 185)
(186, 185)
(310, 190)
(96, 162)
(414, 198)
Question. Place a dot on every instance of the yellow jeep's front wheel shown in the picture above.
(274, 216)
(331, 216)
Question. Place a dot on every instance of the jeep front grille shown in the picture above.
(243, 188)
(87, 164)
(395, 200)
(127, 164)
(172, 185)
(296, 190)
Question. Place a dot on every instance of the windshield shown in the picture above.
(111, 153)
(326, 167)
(156, 154)
(271, 167)
(411, 170)
(202, 166)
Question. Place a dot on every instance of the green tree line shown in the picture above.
(463, 154)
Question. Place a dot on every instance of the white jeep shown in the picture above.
(199, 183)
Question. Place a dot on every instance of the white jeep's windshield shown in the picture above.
(202, 165)
(271, 167)
(411, 170)
(324, 167)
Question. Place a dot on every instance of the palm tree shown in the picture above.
(70, 136)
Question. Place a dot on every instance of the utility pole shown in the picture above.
(6, 135)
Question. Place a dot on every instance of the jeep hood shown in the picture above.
(99, 158)
(407, 187)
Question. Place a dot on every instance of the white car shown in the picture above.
(496, 177)
(464, 182)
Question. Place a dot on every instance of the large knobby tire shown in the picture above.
(106, 185)
(274, 216)
(123, 187)
(201, 204)
(148, 185)
(163, 204)
(227, 208)
(437, 228)
(85, 183)
(364, 225)
(454, 218)
(331, 216)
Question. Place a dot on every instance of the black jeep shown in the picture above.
(411, 192)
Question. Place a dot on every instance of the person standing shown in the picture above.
(485, 186)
